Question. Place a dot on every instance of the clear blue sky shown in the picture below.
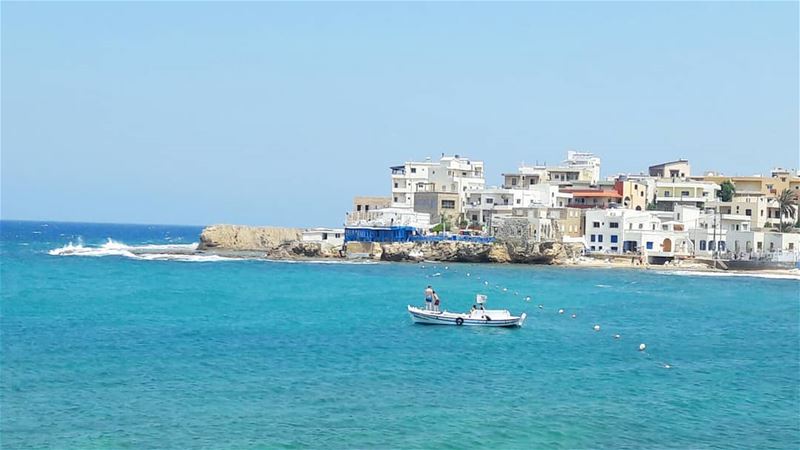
(280, 113)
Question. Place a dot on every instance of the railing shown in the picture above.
(453, 237)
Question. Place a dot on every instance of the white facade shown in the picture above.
(333, 236)
(620, 231)
(449, 174)
(578, 166)
(758, 243)
(388, 217)
(588, 162)
(484, 203)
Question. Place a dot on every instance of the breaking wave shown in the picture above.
(793, 274)
(150, 252)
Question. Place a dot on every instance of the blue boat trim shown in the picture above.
(453, 320)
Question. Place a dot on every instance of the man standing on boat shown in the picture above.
(429, 298)
(435, 302)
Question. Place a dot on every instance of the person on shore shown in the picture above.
(435, 302)
(428, 298)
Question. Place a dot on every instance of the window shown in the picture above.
(513, 181)
(358, 207)
(474, 217)
(413, 170)
(641, 226)
(649, 245)
(324, 236)
(613, 225)
(395, 199)
(593, 249)
(490, 200)
(702, 245)
(666, 193)
(592, 238)
(684, 193)
(448, 204)
(712, 245)
(366, 207)
(613, 249)
(595, 224)
(599, 238)
(519, 201)
(395, 185)
(614, 238)
(748, 212)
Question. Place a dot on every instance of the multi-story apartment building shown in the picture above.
(578, 167)
(619, 231)
(450, 174)
(673, 169)
(485, 203)
(440, 206)
(674, 191)
(754, 196)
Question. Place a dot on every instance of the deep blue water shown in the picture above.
(117, 352)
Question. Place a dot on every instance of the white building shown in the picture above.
(484, 203)
(759, 243)
(388, 217)
(332, 236)
(449, 174)
(620, 231)
(578, 166)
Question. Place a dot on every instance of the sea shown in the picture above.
(106, 348)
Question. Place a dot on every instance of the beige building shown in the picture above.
(439, 205)
(365, 204)
(671, 192)
(550, 224)
(754, 196)
(634, 194)
(673, 169)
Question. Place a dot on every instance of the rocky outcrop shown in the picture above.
(244, 238)
(451, 251)
(286, 243)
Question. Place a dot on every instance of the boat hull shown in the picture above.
(425, 317)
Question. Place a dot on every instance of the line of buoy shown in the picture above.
(642, 347)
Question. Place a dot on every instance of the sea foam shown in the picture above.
(148, 252)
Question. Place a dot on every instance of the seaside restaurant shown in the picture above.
(379, 234)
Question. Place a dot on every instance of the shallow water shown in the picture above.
(115, 352)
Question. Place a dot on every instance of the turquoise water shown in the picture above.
(117, 352)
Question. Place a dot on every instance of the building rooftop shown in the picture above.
(592, 193)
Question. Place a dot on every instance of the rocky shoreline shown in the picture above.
(237, 241)
(286, 243)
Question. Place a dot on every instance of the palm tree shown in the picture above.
(787, 202)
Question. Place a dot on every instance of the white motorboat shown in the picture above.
(478, 316)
